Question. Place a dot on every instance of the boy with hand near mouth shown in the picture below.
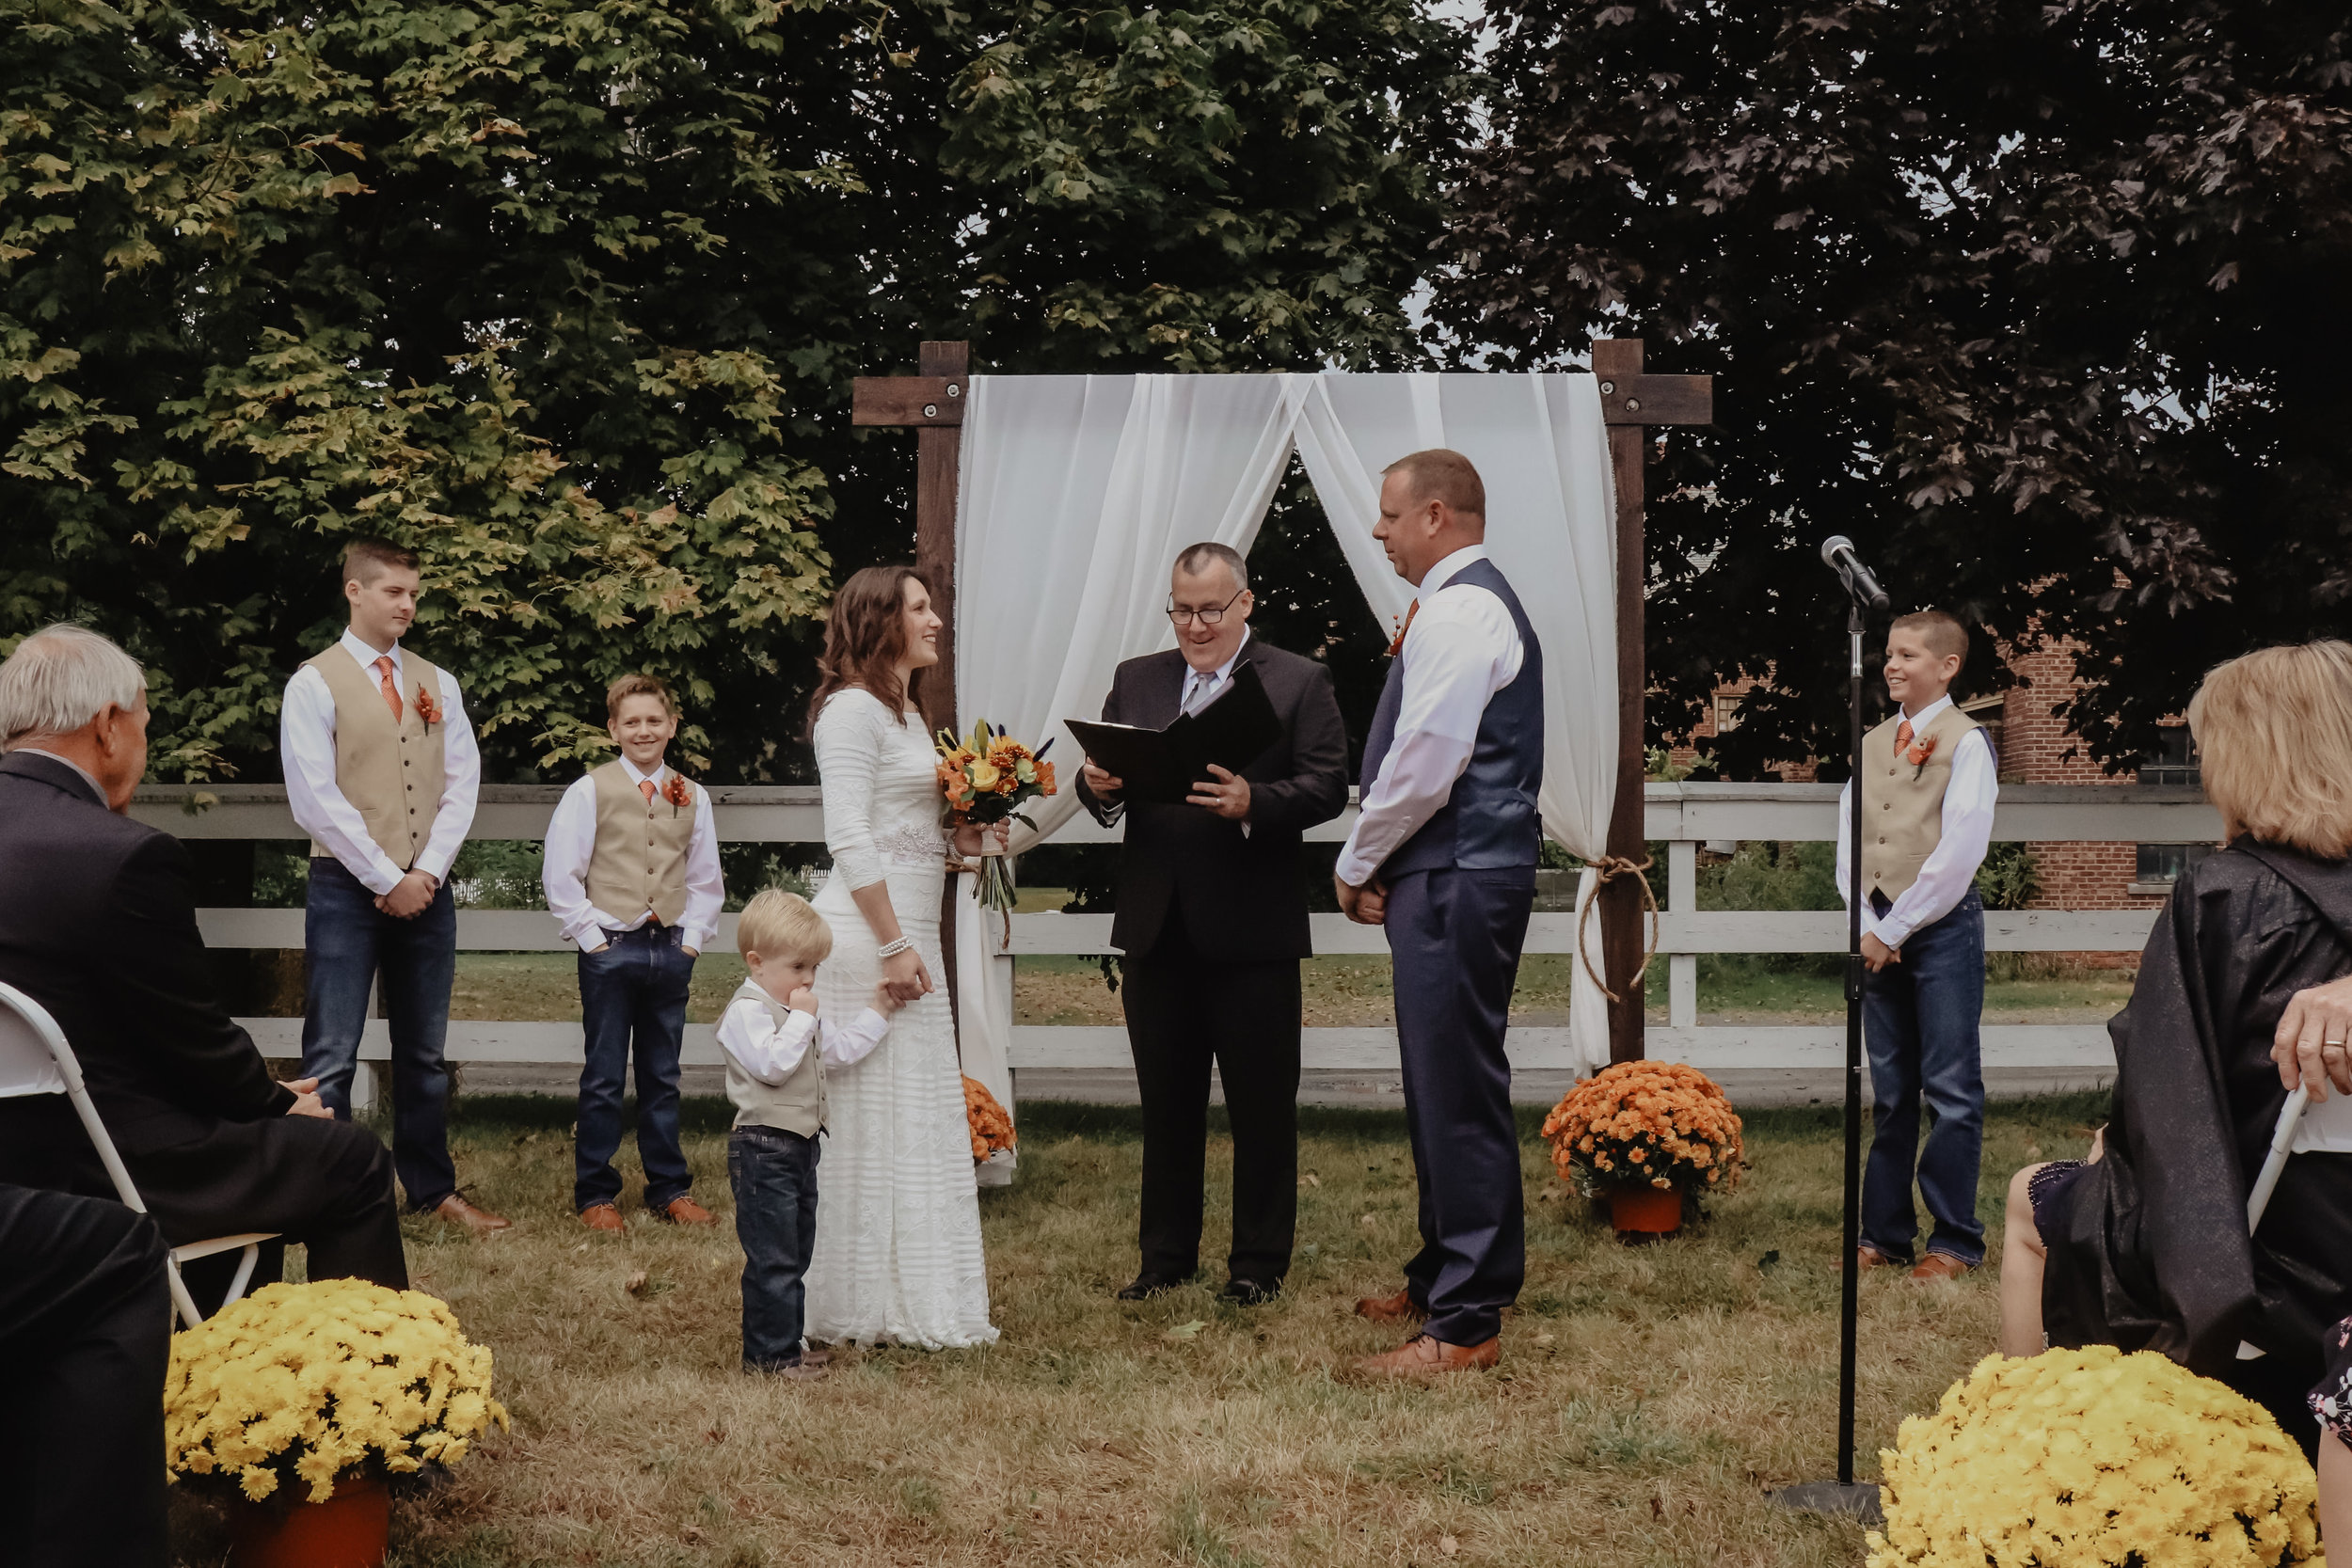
(1928, 780)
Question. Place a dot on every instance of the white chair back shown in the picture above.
(22, 1017)
(29, 1042)
(2325, 1128)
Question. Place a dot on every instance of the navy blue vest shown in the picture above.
(1489, 821)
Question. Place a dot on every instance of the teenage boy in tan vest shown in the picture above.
(631, 869)
(777, 1052)
(1928, 789)
(382, 772)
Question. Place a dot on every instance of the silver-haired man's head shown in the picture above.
(72, 694)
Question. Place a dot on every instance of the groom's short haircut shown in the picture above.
(365, 559)
(1442, 475)
(1195, 559)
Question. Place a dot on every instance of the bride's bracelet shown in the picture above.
(892, 949)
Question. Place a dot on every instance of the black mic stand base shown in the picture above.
(1854, 1499)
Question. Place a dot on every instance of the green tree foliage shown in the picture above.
(570, 297)
(2042, 303)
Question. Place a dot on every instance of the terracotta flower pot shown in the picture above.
(1644, 1211)
(350, 1530)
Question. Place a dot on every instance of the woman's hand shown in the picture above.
(971, 838)
(905, 976)
(2310, 1046)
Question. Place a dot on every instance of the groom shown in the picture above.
(1444, 856)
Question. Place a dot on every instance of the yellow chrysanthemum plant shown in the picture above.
(304, 1384)
(1646, 1124)
(2093, 1458)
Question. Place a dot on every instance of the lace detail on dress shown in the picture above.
(913, 844)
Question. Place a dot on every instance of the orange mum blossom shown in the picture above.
(990, 1125)
(1664, 1124)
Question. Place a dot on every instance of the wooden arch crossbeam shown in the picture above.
(933, 400)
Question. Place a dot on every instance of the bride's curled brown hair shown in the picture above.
(866, 632)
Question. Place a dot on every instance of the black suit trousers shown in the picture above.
(84, 1335)
(1183, 1012)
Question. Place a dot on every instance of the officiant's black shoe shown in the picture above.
(1249, 1292)
(1146, 1286)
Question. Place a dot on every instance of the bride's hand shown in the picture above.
(905, 973)
(971, 838)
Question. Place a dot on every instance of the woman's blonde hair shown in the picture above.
(781, 924)
(2274, 738)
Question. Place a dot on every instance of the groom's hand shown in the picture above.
(1366, 906)
(1228, 797)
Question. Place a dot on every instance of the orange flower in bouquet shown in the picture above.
(986, 777)
(1656, 1124)
(991, 1129)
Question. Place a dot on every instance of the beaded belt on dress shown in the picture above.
(911, 846)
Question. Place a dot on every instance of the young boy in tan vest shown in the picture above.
(631, 869)
(777, 1052)
(382, 772)
(1928, 789)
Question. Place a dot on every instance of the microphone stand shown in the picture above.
(1843, 1496)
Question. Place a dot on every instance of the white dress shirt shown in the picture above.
(1951, 866)
(306, 745)
(1461, 649)
(571, 842)
(1212, 681)
(772, 1051)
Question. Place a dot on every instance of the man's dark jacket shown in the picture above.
(1241, 894)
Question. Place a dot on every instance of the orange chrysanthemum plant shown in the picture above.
(991, 1129)
(1646, 1124)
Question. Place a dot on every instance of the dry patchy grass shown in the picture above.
(1645, 1399)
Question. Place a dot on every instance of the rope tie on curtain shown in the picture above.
(1607, 869)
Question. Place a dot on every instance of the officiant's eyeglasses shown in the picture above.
(1207, 617)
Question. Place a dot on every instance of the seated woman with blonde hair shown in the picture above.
(2145, 1246)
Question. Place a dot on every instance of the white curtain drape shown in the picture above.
(1076, 492)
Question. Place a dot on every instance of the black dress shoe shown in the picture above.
(1249, 1292)
(1146, 1286)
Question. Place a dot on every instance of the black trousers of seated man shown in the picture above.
(85, 1338)
(1184, 1011)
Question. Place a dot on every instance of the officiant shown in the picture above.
(1211, 917)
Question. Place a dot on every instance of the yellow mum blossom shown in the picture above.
(305, 1382)
(2094, 1459)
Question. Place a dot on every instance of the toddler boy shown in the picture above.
(1928, 788)
(777, 1050)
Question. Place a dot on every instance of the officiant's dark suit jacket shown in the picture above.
(98, 925)
(1239, 895)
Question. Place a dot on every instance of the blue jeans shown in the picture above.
(636, 985)
(350, 942)
(1920, 1023)
(774, 1173)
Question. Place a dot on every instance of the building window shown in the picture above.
(2160, 866)
(2172, 762)
(1726, 713)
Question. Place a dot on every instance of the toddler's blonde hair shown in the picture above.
(781, 924)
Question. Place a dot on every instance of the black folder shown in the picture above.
(1233, 731)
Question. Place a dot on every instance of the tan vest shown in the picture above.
(393, 773)
(638, 862)
(797, 1103)
(1902, 802)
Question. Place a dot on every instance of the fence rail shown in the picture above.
(1686, 816)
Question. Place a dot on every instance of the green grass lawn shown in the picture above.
(1647, 1399)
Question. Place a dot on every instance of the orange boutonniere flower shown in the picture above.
(678, 793)
(427, 709)
(1918, 756)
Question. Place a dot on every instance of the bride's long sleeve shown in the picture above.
(848, 753)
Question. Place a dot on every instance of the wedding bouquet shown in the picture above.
(986, 779)
(1655, 1124)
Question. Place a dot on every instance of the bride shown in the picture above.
(897, 1251)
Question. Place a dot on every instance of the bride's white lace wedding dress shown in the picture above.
(897, 1255)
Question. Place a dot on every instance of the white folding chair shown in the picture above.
(2300, 1130)
(34, 1058)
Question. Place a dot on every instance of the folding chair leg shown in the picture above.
(180, 1297)
(245, 1273)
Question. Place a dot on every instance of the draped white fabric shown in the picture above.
(1077, 491)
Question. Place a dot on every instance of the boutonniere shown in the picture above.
(427, 709)
(676, 793)
(1918, 756)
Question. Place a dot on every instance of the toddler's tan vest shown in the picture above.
(393, 772)
(1902, 802)
(638, 862)
(797, 1103)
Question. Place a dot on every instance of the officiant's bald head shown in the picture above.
(1432, 503)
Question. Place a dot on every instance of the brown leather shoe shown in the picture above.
(601, 1216)
(1868, 1257)
(1398, 1308)
(456, 1210)
(1940, 1265)
(685, 1210)
(1422, 1357)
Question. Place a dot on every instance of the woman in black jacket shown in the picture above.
(2146, 1244)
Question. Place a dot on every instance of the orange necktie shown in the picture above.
(391, 686)
(644, 788)
(1397, 646)
(1902, 737)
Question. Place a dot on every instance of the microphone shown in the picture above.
(1837, 554)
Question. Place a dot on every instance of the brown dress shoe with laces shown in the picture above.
(1422, 1357)
(1397, 1308)
(1868, 1258)
(1940, 1265)
(458, 1211)
(685, 1210)
(601, 1216)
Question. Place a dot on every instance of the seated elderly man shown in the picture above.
(99, 926)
